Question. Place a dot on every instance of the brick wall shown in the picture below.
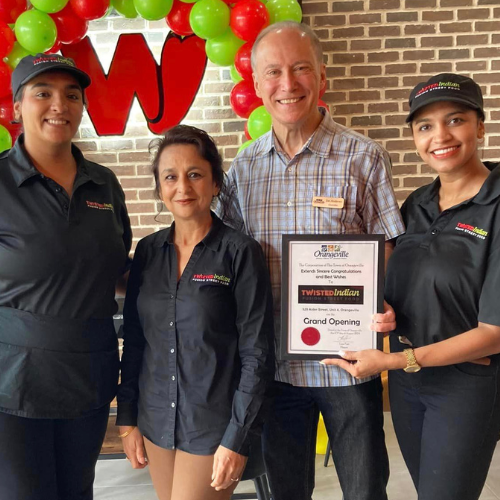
(375, 51)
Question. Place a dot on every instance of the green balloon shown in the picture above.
(5, 139)
(209, 18)
(125, 8)
(153, 10)
(284, 10)
(245, 145)
(235, 76)
(259, 122)
(16, 54)
(49, 6)
(221, 50)
(189, 1)
(35, 31)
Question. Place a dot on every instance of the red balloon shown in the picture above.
(55, 48)
(323, 104)
(7, 39)
(90, 9)
(247, 133)
(243, 98)
(70, 27)
(5, 73)
(178, 18)
(10, 10)
(242, 61)
(7, 115)
(248, 19)
(6, 110)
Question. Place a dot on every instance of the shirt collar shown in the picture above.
(320, 142)
(211, 240)
(23, 169)
(490, 190)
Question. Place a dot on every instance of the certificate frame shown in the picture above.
(373, 278)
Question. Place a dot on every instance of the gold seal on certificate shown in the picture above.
(331, 287)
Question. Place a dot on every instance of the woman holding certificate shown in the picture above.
(443, 281)
(197, 334)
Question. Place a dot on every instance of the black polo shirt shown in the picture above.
(198, 351)
(60, 258)
(444, 274)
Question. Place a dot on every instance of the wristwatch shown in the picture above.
(411, 362)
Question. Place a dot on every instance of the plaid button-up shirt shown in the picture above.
(270, 195)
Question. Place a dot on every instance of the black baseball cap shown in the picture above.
(31, 66)
(446, 87)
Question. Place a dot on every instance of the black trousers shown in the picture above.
(354, 421)
(447, 421)
(45, 459)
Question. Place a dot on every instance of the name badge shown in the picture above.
(325, 202)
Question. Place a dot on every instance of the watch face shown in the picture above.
(412, 369)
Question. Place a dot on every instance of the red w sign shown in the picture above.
(165, 92)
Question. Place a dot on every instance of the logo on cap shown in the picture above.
(53, 59)
(438, 86)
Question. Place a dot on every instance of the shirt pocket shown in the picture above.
(334, 220)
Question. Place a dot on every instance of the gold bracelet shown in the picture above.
(126, 433)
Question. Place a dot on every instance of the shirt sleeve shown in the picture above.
(228, 208)
(133, 345)
(489, 312)
(254, 322)
(380, 211)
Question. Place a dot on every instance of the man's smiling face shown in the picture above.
(288, 77)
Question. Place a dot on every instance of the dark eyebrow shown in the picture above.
(167, 169)
(449, 115)
(189, 169)
(73, 86)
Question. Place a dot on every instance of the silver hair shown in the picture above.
(300, 28)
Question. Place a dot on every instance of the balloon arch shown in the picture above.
(229, 27)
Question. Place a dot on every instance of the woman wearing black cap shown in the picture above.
(64, 240)
(443, 281)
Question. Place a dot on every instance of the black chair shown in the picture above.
(255, 471)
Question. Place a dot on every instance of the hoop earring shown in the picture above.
(417, 153)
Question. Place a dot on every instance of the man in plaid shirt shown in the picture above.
(271, 188)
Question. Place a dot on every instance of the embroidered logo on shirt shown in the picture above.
(212, 278)
(100, 206)
(472, 230)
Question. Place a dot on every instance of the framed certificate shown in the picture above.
(331, 286)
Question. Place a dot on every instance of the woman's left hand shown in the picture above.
(361, 364)
(228, 468)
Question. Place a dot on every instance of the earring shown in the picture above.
(417, 153)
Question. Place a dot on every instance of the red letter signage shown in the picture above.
(165, 93)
